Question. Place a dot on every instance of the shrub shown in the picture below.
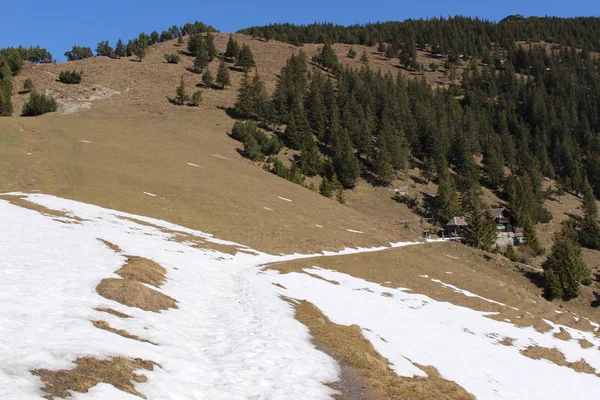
(196, 99)
(39, 104)
(248, 133)
(172, 58)
(28, 85)
(69, 77)
(351, 53)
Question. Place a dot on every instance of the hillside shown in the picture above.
(166, 265)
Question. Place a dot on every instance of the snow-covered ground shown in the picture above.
(232, 337)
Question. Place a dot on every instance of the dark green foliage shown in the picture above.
(589, 233)
(257, 144)
(181, 97)
(69, 77)
(139, 47)
(511, 254)
(291, 87)
(232, 51)
(346, 165)
(351, 53)
(326, 188)
(252, 98)
(364, 58)
(154, 38)
(38, 104)
(6, 107)
(79, 53)
(310, 160)
(16, 56)
(208, 79)
(564, 268)
(292, 174)
(28, 85)
(245, 58)
(223, 78)
(480, 231)
(326, 58)
(104, 49)
(202, 59)
(447, 201)
(493, 162)
(172, 58)
(211, 49)
(196, 99)
(531, 238)
(120, 49)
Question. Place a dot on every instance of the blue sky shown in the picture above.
(57, 25)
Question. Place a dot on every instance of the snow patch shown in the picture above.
(284, 199)
(353, 231)
(193, 165)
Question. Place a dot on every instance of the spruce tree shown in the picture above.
(531, 238)
(181, 96)
(233, 49)
(6, 107)
(364, 58)
(383, 168)
(310, 160)
(493, 162)
(351, 53)
(207, 79)
(589, 234)
(211, 49)
(346, 165)
(326, 188)
(223, 78)
(447, 200)
(480, 231)
(201, 60)
(28, 85)
(564, 268)
(196, 99)
(120, 49)
(246, 58)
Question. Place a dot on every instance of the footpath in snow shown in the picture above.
(232, 337)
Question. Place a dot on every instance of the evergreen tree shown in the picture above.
(39, 104)
(531, 238)
(6, 107)
(233, 49)
(480, 231)
(346, 165)
(338, 188)
(104, 49)
(207, 79)
(447, 200)
(564, 268)
(310, 160)
(246, 58)
(211, 49)
(196, 99)
(327, 58)
(383, 168)
(493, 163)
(181, 96)
(223, 78)
(79, 53)
(351, 53)
(252, 97)
(589, 234)
(140, 47)
(364, 58)
(120, 49)
(202, 59)
(28, 85)
(326, 188)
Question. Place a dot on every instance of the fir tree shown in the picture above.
(223, 78)
(447, 200)
(564, 268)
(364, 58)
(181, 96)
(233, 49)
(351, 53)
(480, 231)
(28, 85)
(104, 49)
(246, 58)
(207, 79)
(589, 234)
(120, 49)
(346, 165)
(531, 238)
(325, 188)
(493, 163)
(338, 188)
(310, 160)
(196, 99)
(383, 167)
(211, 49)
(201, 60)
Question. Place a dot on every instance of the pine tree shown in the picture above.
(564, 268)
(351, 53)
(223, 78)
(493, 163)
(310, 160)
(211, 49)
(140, 47)
(447, 200)
(383, 167)
(196, 99)
(104, 49)
(480, 231)
(338, 188)
(246, 58)
(364, 58)
(207, 79)
(325, 188)
(28, 85)
(120, 49)
(346, 165)
(181, 96)
(589, 234)
(6, 107)
(531, 238)
(201, 60)
(233, 49)
(381, 47)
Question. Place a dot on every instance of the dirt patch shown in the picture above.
(143, 270)
(555, 356)
(585, 344)
(90, 371)
(111, 246)
(134, 294)
(349, 347)
(20, 201)
(506, 341)
(279, 285)
(106, 326)
(562, 335)
(113, 312)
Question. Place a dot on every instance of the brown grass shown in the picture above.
(90, 371)
(134, 294)
(143, 270)
(106, 326)
(506, 341)
(113, 312)
(585, 344)
(349, 347)
(555, 356)
(563, 335)
(111, 246)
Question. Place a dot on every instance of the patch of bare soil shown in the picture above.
(143, 270)
(106, 326)
(21, 202)
(506, 341)
(113, 312)
(555, 356)
(563, 335)
(90, 371)
(134, 294)
(585, 344)
(348, 346)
